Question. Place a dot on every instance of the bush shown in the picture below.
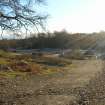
(75, 54)
(50, 61)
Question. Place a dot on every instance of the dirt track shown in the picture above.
(58, 89)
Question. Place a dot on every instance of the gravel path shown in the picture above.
(58, 89)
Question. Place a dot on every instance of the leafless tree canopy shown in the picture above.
(18, 14)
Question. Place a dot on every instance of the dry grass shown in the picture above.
(29, 63)
(50, 61)
(75, 54)
(12, 74)
(75, 83)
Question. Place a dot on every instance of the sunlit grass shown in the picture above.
(72, 66)
(49, 71)
(12, 74)
(20, 65)
(3, 61)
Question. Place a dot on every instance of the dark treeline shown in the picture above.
(61, 40)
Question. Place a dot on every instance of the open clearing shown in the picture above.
(60, 88)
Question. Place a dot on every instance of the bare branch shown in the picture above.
(16, 14)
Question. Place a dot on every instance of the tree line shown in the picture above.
(56, 39)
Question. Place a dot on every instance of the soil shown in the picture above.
(57, 89)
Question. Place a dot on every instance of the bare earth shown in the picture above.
(57, 89)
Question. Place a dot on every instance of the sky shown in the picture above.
(85, 16)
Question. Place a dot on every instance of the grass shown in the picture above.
(75, 54)
(3, 61)
(6, 54)
(22, 64)
(12, 74)
(72, 65)
(49, 61)
(50, 71)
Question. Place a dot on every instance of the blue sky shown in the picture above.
(76, 15)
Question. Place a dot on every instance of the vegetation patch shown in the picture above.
(50, 61)
(12, 74)
(4, 61)
(75, 54)
(12, 66)
(6, 54)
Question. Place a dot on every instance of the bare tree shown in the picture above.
(18, 14)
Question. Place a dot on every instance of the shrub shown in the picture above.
(76, 54)
(50, 61)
